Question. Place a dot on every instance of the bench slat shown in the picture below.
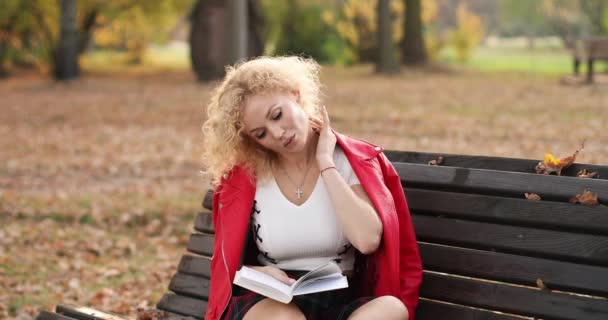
(189, 285)
(204, 222)
(488, 163)
(564, 276)
(201, 243)
(498, 182)
(85, 313)
(557, 245)
(183, 305)
(434, 310)
(513, 299)
(208, 199)
(47, 315)
(544, 214)
(195, 265)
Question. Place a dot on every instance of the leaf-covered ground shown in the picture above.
(100, 179)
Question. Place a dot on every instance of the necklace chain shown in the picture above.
(299, 190)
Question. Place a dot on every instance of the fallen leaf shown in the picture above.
(532, 196)
(436, 162)
(586, 198)
(541, 284)
(587, 175)
(551, 164)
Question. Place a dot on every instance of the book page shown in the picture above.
(323, 271)
(325, 284)
(261, 282)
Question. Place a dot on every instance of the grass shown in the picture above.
(539, 61)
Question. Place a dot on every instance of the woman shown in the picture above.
(310, 196)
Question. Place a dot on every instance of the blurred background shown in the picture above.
(101, 104)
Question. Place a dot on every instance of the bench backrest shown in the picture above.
(487, 252)
(592, 48)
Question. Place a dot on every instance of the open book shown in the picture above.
(325, 278)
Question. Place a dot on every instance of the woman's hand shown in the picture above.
(327, 140)
(275, 273)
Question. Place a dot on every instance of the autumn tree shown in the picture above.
(413, 48)
(387, 62)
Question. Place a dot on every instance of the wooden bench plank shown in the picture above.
(580, 248)
(564, 276)
(204, 222)
(47, 315)
(201, 243)
(186, 306)
(523, 212)
(435, 310)
(191, 286)
(512, 299)
(85, 313)
(195, 265)
(488, 163)
(491, 182)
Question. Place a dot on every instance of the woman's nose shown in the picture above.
(276, 132)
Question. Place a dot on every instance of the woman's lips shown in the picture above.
(289, 141)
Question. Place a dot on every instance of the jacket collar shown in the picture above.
(356, 148)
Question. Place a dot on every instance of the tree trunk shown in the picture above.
(387, 62)
(210, 36)
(238, 30)
(414, 52)
(66, 57)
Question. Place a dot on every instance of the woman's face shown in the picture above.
(276, 121)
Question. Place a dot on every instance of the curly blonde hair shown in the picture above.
(226, 145)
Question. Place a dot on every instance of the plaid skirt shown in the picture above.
(336, 304)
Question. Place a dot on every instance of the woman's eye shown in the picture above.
(277, 117)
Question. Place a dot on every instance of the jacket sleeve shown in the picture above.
(409, 256)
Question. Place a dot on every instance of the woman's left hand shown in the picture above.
(327, 140)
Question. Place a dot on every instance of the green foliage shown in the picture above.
(29, 29)
(296, 27)
(468, 33)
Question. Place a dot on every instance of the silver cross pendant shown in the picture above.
(299, 193)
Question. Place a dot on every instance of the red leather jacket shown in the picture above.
(394, 269)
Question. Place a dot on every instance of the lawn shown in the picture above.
(100, 179)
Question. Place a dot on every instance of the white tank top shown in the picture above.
(304, 237)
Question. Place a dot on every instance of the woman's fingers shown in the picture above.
(280, 275)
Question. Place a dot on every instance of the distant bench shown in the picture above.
(589, 50)
(487, 252)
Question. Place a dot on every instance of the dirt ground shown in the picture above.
(100, 179)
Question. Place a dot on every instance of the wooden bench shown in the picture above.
(487, 251)
(589, 50)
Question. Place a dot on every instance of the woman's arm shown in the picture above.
(361, 224)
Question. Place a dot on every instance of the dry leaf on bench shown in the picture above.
(552, 164)
(436, 162)
(532, 196)
(541, 284)
(587, 198)
(588, 175)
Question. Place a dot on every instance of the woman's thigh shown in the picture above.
(385, 307)
(269, 309)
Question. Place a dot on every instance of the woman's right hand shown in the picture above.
(275, 273)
